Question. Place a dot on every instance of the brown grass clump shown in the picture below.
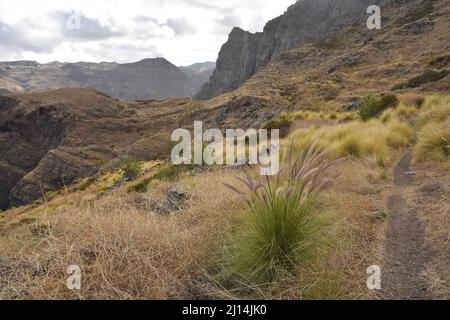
(412, 99)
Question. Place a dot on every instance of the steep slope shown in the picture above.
(50, 139)
(409, 53)
(304, 22)
(146, 79)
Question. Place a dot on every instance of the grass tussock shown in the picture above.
(375, 139)
(277, 234)
(318, 116)
(434, 130)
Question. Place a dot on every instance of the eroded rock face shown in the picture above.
(47, 140)
(304, 22)
(246, 112)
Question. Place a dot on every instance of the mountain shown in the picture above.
(199, 73)
(50, 139)
(147, 79)
(409, 53)
(245, 53)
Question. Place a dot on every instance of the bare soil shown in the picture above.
(406, 256)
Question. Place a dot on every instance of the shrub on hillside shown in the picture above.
(372, 107)
(140, 187)
(131, 169)
(283, 124)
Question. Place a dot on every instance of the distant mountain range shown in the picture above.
(147, 79)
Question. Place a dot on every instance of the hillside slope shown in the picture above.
(411, 52)
(244, 54)
(51, 139)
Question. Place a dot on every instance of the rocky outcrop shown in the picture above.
(246, 112)
(304, 22)
(146, 79)
(236, 63)
(50, 139)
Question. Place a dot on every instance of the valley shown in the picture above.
(86, 176)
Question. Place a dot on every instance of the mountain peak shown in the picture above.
(305, 21)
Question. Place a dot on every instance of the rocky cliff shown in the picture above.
(50, 139)
(304, 22)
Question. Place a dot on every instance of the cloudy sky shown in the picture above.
(183, 31)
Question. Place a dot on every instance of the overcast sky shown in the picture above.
(182, 31)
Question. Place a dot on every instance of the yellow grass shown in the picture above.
(434, 130)
(358, 139)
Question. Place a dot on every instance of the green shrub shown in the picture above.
(389, 101)
(372, 107)
(283, 124)
(278, 232)
(131, 169)
(171, 172)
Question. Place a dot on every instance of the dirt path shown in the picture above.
(405, 253)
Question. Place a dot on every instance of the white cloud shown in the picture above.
(183, 31)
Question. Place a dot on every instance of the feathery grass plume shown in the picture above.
(278, 232)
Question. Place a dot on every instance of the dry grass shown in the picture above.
(412, 99)
(374, 139)
(312, 115)
(434, 130)
(432, 200)
(127, 251)
(124, 250)
(351, 239)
